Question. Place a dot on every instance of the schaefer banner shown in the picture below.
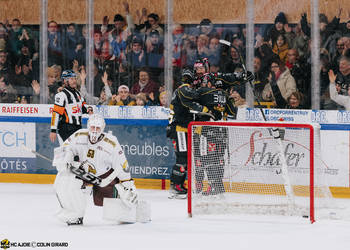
(140, 131)
(255, 158)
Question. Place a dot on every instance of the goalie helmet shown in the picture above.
(96, 124)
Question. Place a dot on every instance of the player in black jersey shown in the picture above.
(226, 80)
(211, 143)
(68, 109)
(184, 101)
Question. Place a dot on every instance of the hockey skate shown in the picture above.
(78, 221)
(177, 191)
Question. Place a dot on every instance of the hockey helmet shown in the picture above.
(96, 124)
(202, 62)
(208, 77)
(187, 76)
(66, 74)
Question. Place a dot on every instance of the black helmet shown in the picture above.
(187, 76)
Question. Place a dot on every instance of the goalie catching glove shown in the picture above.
(127, 192)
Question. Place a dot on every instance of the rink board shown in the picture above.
(141, 131)
(161, 184)
(244, 188)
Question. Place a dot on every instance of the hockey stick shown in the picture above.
(36, 153)
(274, 132)
(85, 176)
(79, 172)
(202, 113)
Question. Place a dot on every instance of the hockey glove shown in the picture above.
(239, 75)
(73, 164)
(127, 192)
(249, 76)
(217, 115)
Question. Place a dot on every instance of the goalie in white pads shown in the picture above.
(92, 157)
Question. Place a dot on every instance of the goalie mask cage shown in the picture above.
(238, 167)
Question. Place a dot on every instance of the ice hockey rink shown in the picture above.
(27, 215)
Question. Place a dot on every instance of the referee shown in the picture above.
(68, 109)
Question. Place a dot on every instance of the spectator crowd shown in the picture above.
(129, 59)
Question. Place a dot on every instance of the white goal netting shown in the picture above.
(239, 167)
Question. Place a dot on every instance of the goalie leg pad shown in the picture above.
(143, 211)
(116, 210)
(70, 195)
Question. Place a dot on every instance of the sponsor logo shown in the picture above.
(125, 112)
(343, 116)
(146, 149)
(5, 244)
(262, 153)
(76, 109)
(148, 170)
(149, 112)
(319, 116)
(19, 110)
(13, 138)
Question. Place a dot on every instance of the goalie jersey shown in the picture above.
(103, 157)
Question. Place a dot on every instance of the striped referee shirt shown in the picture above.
(68, 108)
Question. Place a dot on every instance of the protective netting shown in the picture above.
(236, 167)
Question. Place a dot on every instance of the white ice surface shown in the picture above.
(27, 214)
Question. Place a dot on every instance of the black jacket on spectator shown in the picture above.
(265, 52)
(330, 28)
(259, 83)
(344, 30)
(301, 71)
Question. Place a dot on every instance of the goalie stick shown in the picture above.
(36, 153)
(85, 176)
(79, 172)
(274, 132)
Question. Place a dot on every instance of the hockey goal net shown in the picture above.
(244, 167)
